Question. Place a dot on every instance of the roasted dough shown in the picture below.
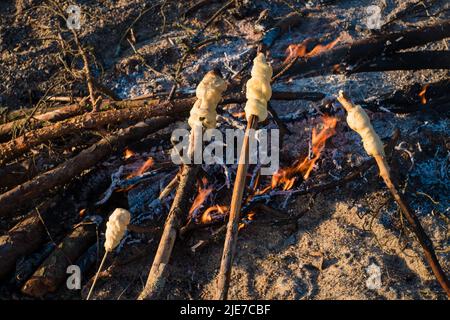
(258, 89)
(116, 227)
(209, 93)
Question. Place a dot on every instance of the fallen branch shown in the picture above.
(36, 121)
(87, 158)
(129, 110)
(419, 60)
(52, 272)
(23, 239)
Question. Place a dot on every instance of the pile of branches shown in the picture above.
(91, 129)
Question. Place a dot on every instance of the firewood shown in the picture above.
(258, 94)
(24, 238)
(129, 110)
(52, 116)
(358, 120)
(63, 173)
(419, 60)
(52, 273)
(18, 146)
(363, 50)
(202, 115)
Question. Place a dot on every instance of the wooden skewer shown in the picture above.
(409, 214)
(235, 208)
(415, 225)
(96, 276)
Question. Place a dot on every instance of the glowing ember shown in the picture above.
(287, 177)
(423, 99)
(128, 153)
(213, 213)
(300, 50)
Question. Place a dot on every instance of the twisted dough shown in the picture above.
(116, 227)
(258, 89)
(209, 92)
(358, 120)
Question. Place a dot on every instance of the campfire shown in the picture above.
(230, 136)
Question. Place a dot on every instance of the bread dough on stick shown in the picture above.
(115, 228)
(259, 90)
(358, 120)
(209, 93)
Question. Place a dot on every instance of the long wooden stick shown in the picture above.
(158, 272)
(409, 214)
(414, 222)
(233, 220)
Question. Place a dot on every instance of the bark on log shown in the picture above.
(363, 50)
(63, 173)
(407, 61)
(130, 110)
(22, 144)
(62, 113)
(178, 212)
(52, 273)
(408, 100)
(24, 238)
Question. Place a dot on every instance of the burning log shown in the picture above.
(258, 94)
(348, 55)
(203, 114)
(76, 165)
(52, 272)
(358, 120)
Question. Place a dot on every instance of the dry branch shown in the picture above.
(37, 120)
(52, 271)
(129, 110)
(340, 57)
(63, 173)
(181, 204)
(234, 215)
(362, 128)
(22, 144)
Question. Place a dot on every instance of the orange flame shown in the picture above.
(288, 176)
(423, 99)
(147, 165)
(199, 199)
(300, 50)
(128, 153)
(208, 216)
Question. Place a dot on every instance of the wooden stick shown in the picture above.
(410, 216)
(233, 220)
(96, 275)
(414, 222)
(158, 273)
